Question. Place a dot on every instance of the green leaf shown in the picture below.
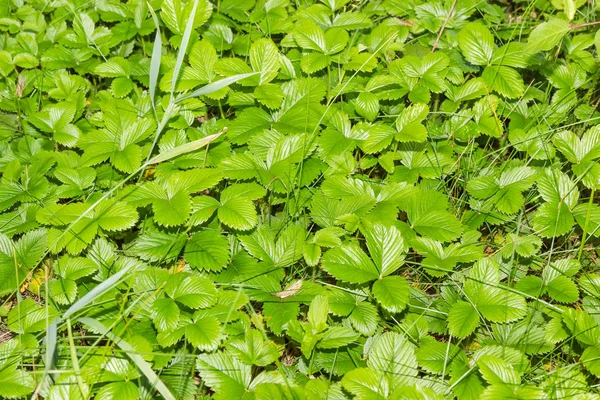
(63, 291)
(17, 259)
(563, 289)
(409, 125)
(591, 359)
(269, 94)
(253, 349)
(203, 207)
(569, 7)
(386, 247)
(476, 43)
(224, 374)
(278, 314)
(366, 384)
(438, 225)
(175, 14)
(504, 80)
(393, 356)
(146, 369)
(264, 58)
(317, 313)
(525, 246)
(192, 291)
(309, 36)
(437, 357)
(118, 391)
(500, 305)
(121, 87)
(463, 319)
(392, 292)
(367, 105)
(337, 336)
(172, 210)
(207, 250)
(588, 218)
(115, 216)
(551, 219)
(205, 333)
(312, 254)
(497, 371)
(15, 383)
(165, 314)
(547, 35)
(238, 213)
(29, 317)
(350, 263)
(158, 246)
(532, 285)
(364, 318)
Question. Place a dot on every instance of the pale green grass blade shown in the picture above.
(183, 47)
(185, 148)
(218, 85)
(95, 292)
(51, 338)
(144, 367)
(156, 58)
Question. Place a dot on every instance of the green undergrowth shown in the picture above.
(278, 199)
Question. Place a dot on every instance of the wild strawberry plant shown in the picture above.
(275, 199)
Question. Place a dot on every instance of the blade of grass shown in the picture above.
(214, 86)
(155, 60)
(185, 148)
(75, 360)
(144, 367)
(95, 292)
(183, 47)
(585, 227)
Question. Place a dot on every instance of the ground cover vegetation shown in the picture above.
(299, 199)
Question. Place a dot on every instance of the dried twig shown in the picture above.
(577, 26)
(443, 26)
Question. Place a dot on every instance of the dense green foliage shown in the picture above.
(290, 199)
